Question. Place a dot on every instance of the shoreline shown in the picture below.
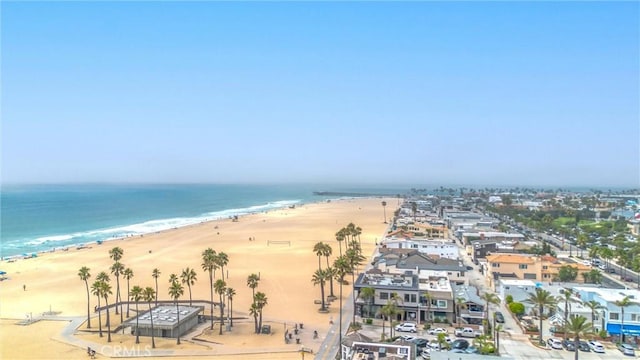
(197, 220)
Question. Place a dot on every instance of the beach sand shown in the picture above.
(52, 283)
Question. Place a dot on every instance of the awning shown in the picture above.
(628, 329)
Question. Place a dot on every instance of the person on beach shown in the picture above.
(24, 287)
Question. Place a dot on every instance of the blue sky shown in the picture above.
(366, 92)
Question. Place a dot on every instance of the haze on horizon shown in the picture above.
(533, 94)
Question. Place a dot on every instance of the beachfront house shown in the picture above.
(528, 267)
(395, 260)
(440, 248)
(472, 308)
(611, 314)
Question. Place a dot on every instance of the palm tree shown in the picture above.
(387, 311)
(367, 295)
(428, 298)
(230, 294)
(384, 209)
(136, 296)
(84, 275)
(156, 274)
(355, 259)
(116, 254)
(340, 236)
(320, 278)
(542, 299)
(253, 311)
(489, 298)
(626, 301)
(175, 291)
(460, 304)
(318, 248)
(209, 265)
(149, 295)
(593, 306)
(188, 277)
(261, 302)
(567, 298)
(326, 252)
(222, 260)
(395, 299)
(105, 291)
(252, 282)
(341, 266)
(95, 290)
(221, 287)
(578, 327)
(127, 274)
(173, 278)
(103, 277)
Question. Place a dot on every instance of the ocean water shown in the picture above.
(37, 218)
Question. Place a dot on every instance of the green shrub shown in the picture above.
(602, 334)
(508, 299)
(368, 321)
(516, 308)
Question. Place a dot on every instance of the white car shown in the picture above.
(436, 331)
(408, 327)
(596, 346)
(555, 343)
(408, 337)
(626, 349)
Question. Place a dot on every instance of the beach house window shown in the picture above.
(614, 316)
(403, 351)
(410, 298)
(522, 266)
(545, 267)
(495, 264)
(634, 317)
(384, 296)
(442, 303)
(530, 276)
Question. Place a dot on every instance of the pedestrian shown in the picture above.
(24, 287)
(331, 320)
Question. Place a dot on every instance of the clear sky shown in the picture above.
(422, 93)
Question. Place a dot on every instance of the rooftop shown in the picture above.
(511, 259)
(165, 315)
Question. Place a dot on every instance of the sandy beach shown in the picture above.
(52, 283)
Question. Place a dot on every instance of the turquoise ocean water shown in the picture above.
(37, 218)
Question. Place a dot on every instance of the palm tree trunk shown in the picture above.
(340, 324)
(137, 325)
(540, 325)
(99, 317)
(231, 309)
(622, 324)
(221, 313)
(330, 281)
(128, 291)
(153, 338)
(322, 294)
(108, 323)
(211, 291)
(189, 284)
(260, 323)
(576, 341)
(178, 312)
(88, 305)
(117, 294)
(156, 295)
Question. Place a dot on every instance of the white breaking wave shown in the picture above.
(153, 226)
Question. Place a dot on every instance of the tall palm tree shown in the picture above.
(593, 306)
(116, 269)
(578, 327)
(626, 301)
(318, 249)
(340, 236)
(388, 311)
(221, 287)
(542, 299)
(460, 304)
(341, 266)
(173, 278)
(253, 311)
(320, 277)
(175, 291)
(136, 296)
(105, 291)
(355, 259)
(222, 260)
(567, 298)
(116, 254)
(326, 252)
(489, 298)
(103, 277)
(84, 275)
(209, 265)
(428, 298)
(149, 295)
(128, 275)
(252, 282)
(156, 274)
(367, 295)
(230, 294)
(395, 299)
(261, 302)
(95, 290)
(189, 277)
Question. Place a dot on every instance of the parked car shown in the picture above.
(569, 345)
(436, 331)
(407, 327)
(596, 346)
(611, 270)
(461, 344)
(467, 332)
(627, 278)
(555, 343)
(420, 343)
(408, 337)
(426, 353)
(626, 349)
(583, 346)
(499, 317)
(472, 350)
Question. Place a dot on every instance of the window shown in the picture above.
(635, 317)
(614, 316)
(495, 264)
(414, 246)
(403, 351)
(410, 298)
(530, 276)
(522, 266)
(384, 296)
(442, 303)
(545, 276)
(545, 267)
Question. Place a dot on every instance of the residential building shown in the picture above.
(612, 320)
(471, 306)
(528, 267)
(440, 248)
(394, 260)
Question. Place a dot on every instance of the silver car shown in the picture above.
(626, 349)
(596, 346)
